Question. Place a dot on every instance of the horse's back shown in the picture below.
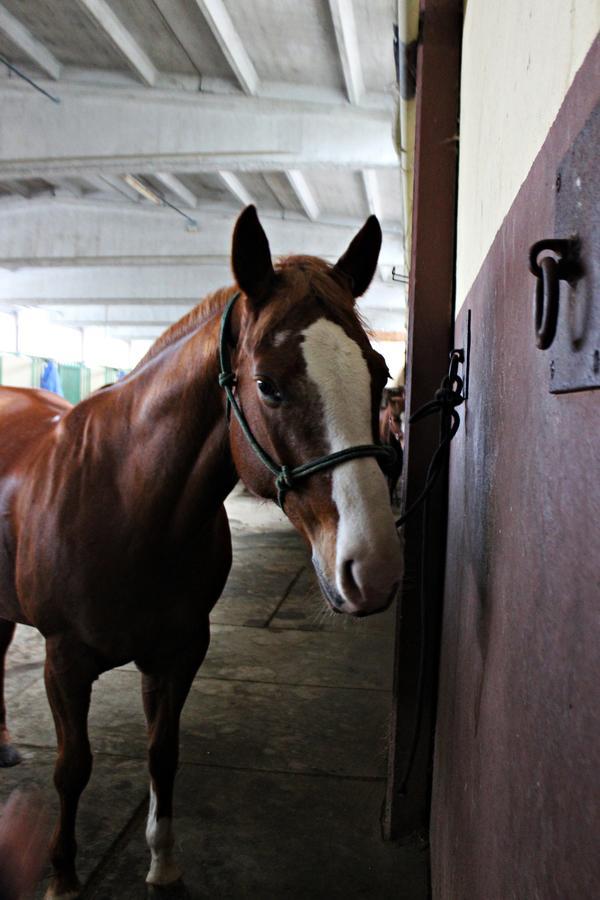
(26, 416)
(16, 401)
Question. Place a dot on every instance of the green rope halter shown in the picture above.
(285, 477)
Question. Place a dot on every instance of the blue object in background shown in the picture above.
(50, 380)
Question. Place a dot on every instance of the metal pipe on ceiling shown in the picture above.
(407, 39)
(15, 69)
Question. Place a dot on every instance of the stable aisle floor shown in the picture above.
(283, 746)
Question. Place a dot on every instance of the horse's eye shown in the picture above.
(268, 390)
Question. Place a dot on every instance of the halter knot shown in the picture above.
(284, 482)
(448, 396)
(285, 479)
(226, 379)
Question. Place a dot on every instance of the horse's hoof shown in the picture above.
(65, 888)
(175, 891)
(163, 872)
(69, 895)
(9, 756)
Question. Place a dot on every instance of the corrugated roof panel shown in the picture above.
(187, 24)
(283, 191)
(13, 54)
(338, 193)
(390, 195)
(35, 186)
(205, 186)
(67, 32)
(259, 190)
(79, 184)
(374, 26)
(289, 41)
(147, 26)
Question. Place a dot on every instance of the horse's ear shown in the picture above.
(251, 256)
(360, 259)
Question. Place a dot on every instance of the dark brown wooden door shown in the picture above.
(515, 785)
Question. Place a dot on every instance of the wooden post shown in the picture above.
(431, 308)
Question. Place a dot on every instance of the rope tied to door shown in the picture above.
(447, 397)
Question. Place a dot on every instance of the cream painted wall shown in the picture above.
(97, 377)
(519, 60)
(16, 371)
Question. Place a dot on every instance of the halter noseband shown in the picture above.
(285, 477)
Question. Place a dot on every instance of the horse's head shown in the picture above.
(309, 384)
(392, 412)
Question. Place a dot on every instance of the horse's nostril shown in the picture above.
(349, 580)
(363, 589)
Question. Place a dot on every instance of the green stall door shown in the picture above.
(86, 382)
(111, 375)
(70, 378)
(37, 367)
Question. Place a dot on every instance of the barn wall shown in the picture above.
(518, 61)
(98, 377)
(514, 808)
(16, 370)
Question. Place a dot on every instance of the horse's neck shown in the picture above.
(174, 465)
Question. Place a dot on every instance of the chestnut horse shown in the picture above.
(114, 539)
(391, 433)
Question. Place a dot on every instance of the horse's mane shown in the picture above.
(304, 275)
(309, 276)
(199, 315)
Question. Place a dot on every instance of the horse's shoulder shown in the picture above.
(27, 415)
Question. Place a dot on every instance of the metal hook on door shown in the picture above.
(549, 271)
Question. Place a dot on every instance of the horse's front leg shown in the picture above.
(69, 674)
(164, 691)
(9, 755)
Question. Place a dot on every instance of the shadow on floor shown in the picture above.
(283, 746)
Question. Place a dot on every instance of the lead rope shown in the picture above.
(448, 396)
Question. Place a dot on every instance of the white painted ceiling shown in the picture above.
(287, 104)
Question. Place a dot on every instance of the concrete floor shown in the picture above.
(283, 746)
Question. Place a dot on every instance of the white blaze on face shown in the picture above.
(159, 836)
(366, 535)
